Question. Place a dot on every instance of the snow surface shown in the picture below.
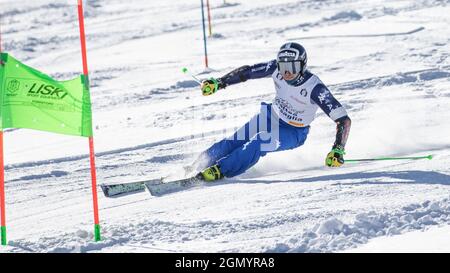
(435, 239)
(386, 61)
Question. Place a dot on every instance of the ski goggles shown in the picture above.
(293, 67)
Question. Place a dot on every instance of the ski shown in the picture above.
(161, 188)
(110, 190)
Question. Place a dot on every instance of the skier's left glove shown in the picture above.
(335, 158)
(210, 86)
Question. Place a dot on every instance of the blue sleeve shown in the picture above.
(321, 96)
(262, 70)
(248, 72)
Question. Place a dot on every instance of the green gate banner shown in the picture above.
(33, 100)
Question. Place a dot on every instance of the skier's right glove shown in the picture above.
(210, 86)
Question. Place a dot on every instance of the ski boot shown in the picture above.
(212, 173)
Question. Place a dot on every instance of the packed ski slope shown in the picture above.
(434, 239)
(386, 61)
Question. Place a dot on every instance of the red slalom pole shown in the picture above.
(2, 172)
(209, 18)
(91, 139)
(2, 191)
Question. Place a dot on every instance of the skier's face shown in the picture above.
(288, 76)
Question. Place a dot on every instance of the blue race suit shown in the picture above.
(236, 154)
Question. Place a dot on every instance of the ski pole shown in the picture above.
(390, 158)
(186, 71)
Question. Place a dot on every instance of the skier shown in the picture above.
(299, 93)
